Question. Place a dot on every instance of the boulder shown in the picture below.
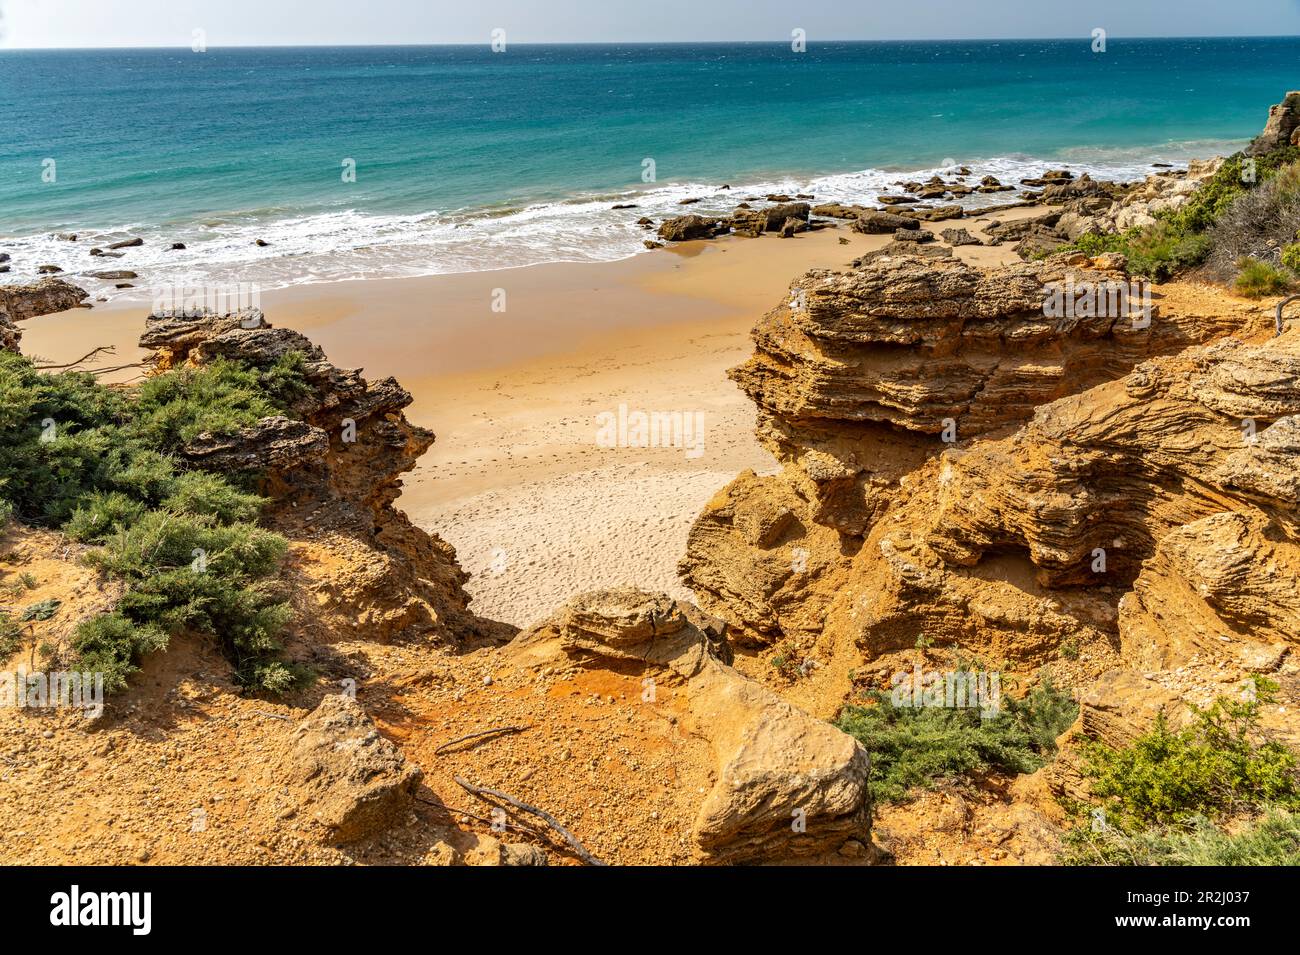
(345, 776)
(773, 763)
(127, 243)
(685, 228)
(959, 237)
(883, 223)
(21, 302)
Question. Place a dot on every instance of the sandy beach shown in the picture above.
(517, 480)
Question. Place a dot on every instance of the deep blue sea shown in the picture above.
(467, 159)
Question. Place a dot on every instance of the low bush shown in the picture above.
(1271, 839)
(917, 746)
(1255, 279)
(101, 464)
(1218, 765)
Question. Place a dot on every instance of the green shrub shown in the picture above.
(1272, 839)
(100, 514)
(221, 398)
(99, 463)
(202, 493)
(1255, 279)
(916, 746)
(1291, 257)
(11, 635)
(1155, 252)
(111, 644)
(1215, 766)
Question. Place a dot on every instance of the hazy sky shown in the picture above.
(75, 23)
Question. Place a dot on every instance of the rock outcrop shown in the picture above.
(786, 785)
(21, 302)
(351, 780)
(1282, 128)
(334, 470)
(861, 376)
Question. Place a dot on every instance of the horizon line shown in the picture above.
(780, 42)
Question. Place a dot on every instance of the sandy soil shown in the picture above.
(518, 480)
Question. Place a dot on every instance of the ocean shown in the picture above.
(466, 159)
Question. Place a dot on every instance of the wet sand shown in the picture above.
(518, 480)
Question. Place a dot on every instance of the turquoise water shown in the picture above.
(469, 159)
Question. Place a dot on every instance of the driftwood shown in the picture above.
(482, 792)
(469, 736)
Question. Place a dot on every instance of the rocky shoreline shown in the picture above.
(1111, 499)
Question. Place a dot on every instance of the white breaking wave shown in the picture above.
(346, 245)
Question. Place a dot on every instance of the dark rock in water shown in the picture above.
(913, 235)
(896, 200)
(959, 237)
(652, 245)
(101, 254)
(624, 205)
(744, 205)
(882, 223)
(261, 242)
(964, 171)
(645, 220)
(4, 256)
(1162, 165)
(804, 195)
(936, 214)
(836, 210)
(690, 202)
(111, 276)
(127, 243)
(67, 236)
(684, 228)
(47, 269)
(4, 268)
(123, 285)
(724, 186)
(1065, 190)
(777, 198)
(177, 246)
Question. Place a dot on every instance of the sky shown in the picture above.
(102, 23)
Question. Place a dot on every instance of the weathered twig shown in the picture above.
(482, 792)
(100, 350)
(468, 736)
(452, 811)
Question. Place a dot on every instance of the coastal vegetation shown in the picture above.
(913, 747)
(1241, 225)
(1216, 788)
(104, 465)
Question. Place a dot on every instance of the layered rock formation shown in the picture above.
(863, 375)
